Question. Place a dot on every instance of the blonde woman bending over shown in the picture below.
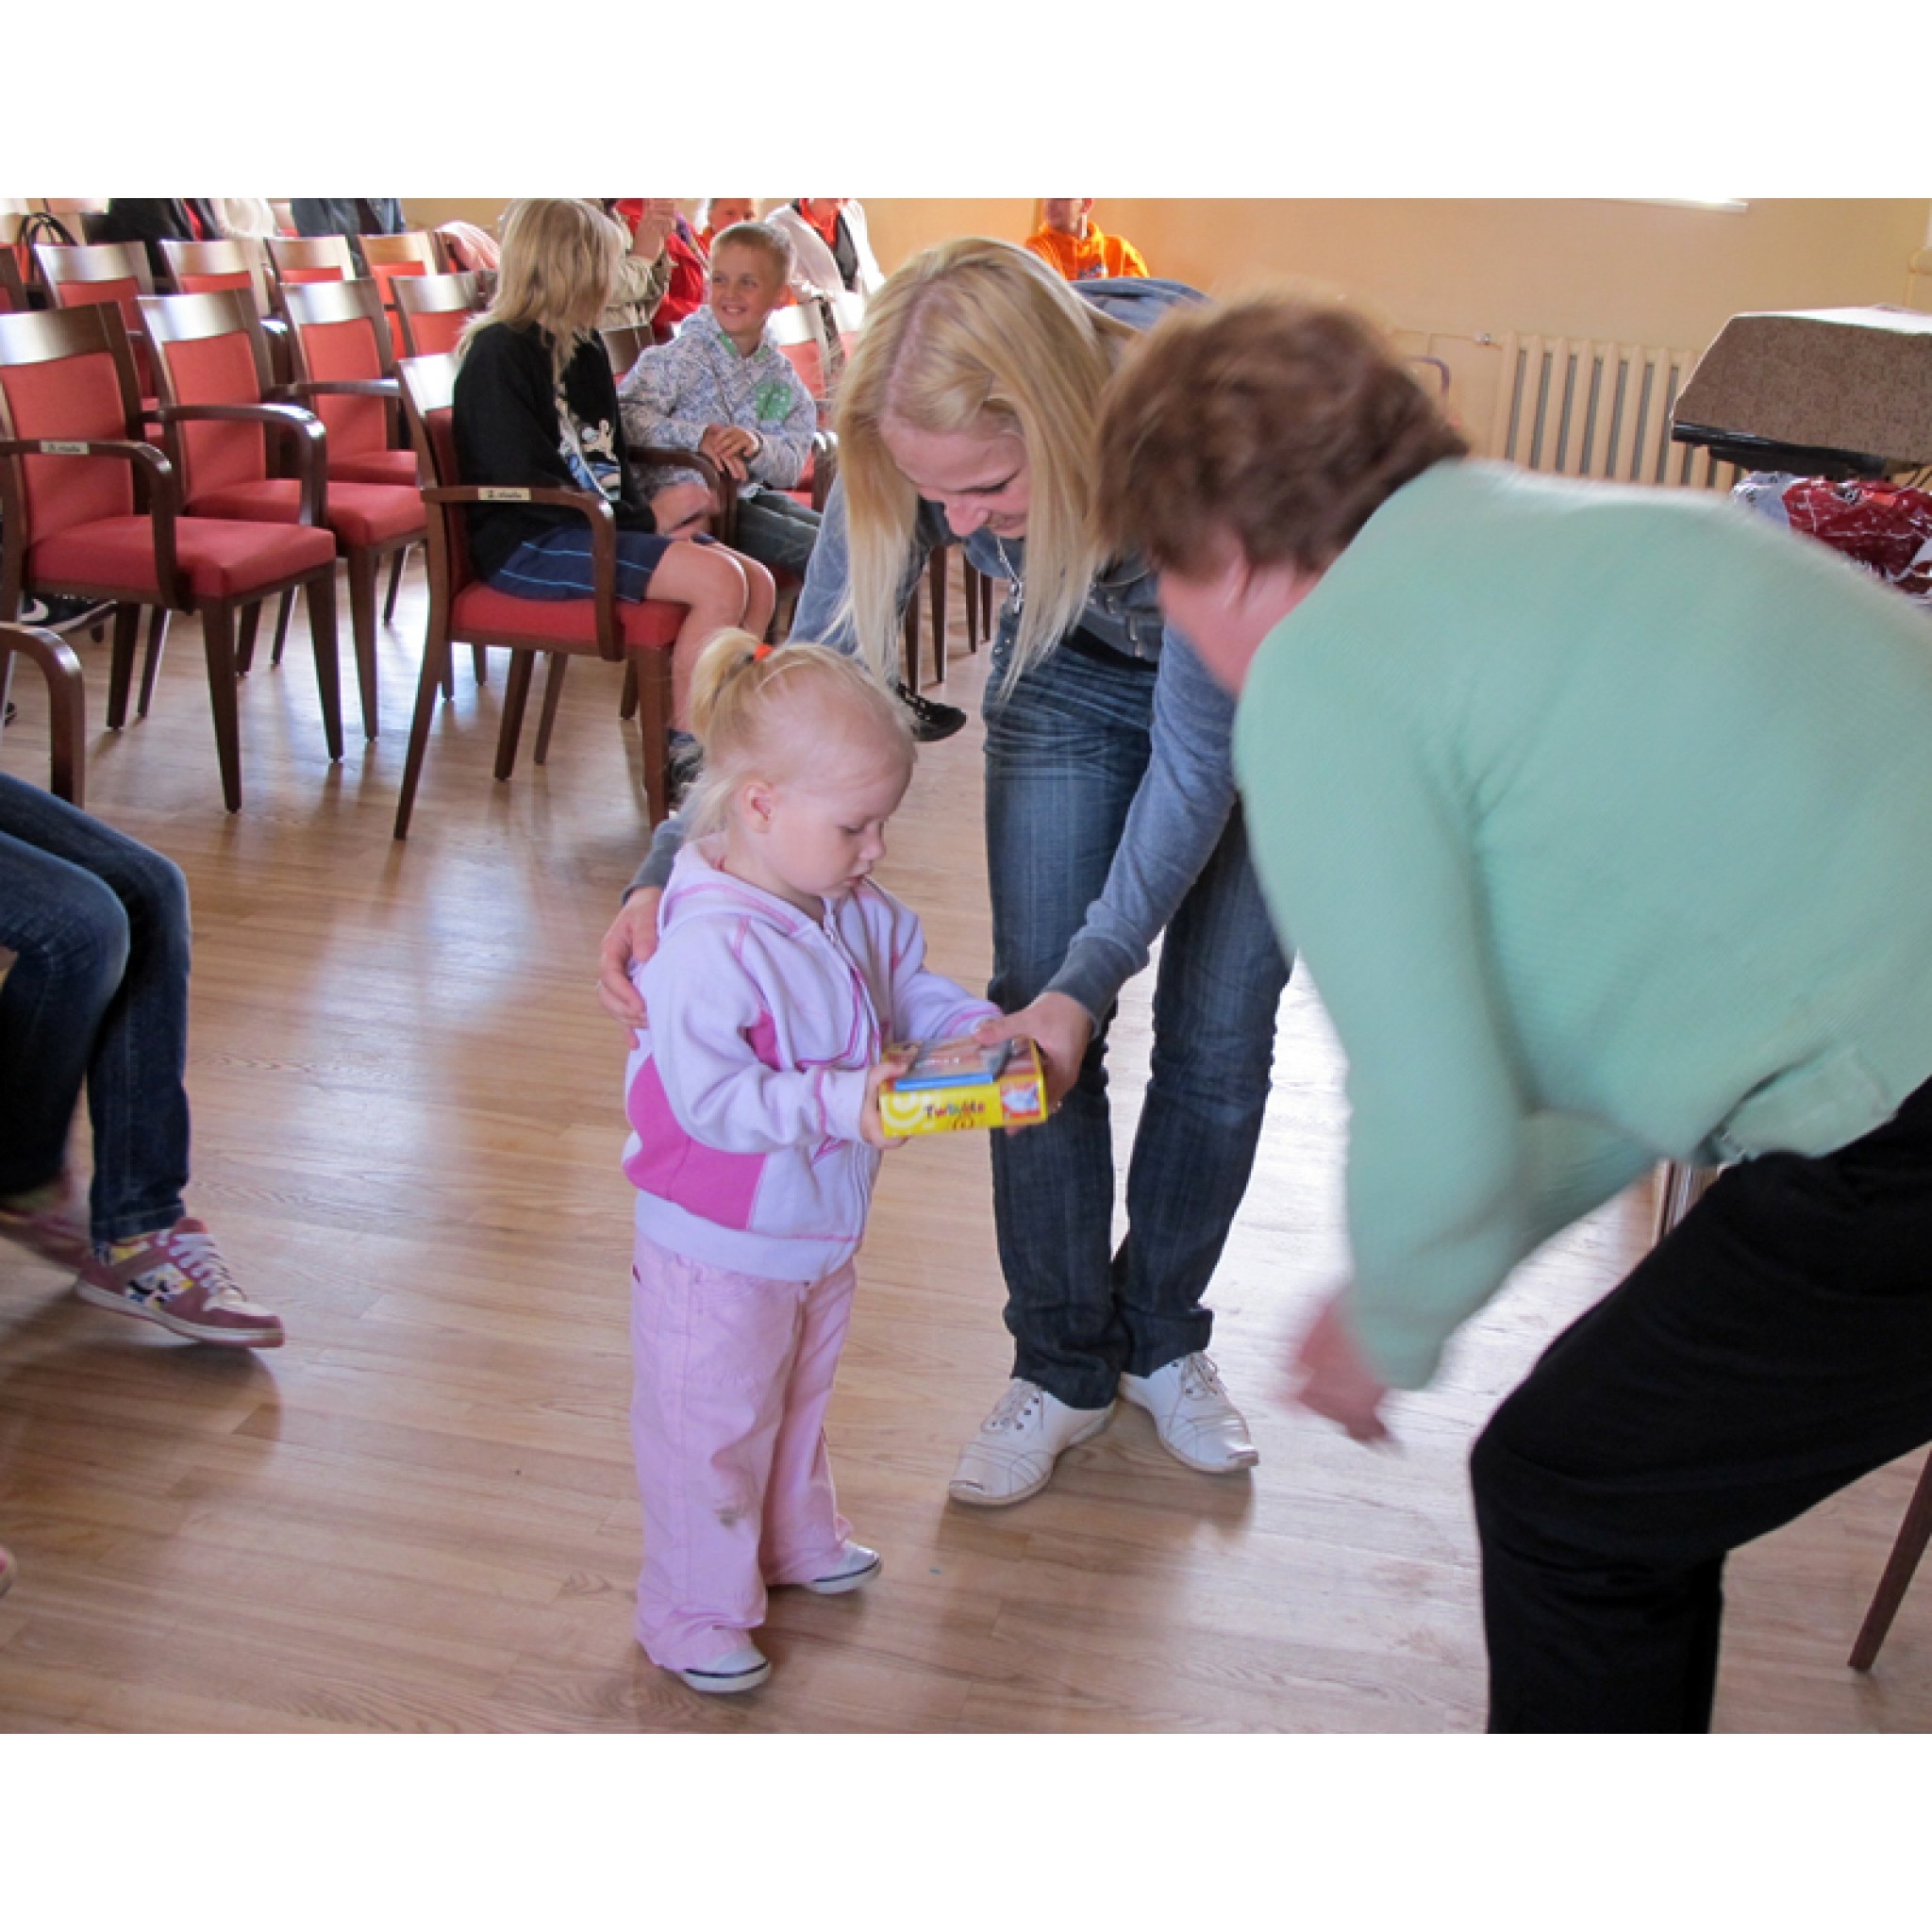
(970, 414)
(536, 406)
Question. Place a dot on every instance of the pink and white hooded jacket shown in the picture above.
(744, 1091)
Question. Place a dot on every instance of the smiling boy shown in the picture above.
(721, 388)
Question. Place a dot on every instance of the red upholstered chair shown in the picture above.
(113, 271)
(432, 311)
(89, 509)
(298, 260)
(345, 373)
(212, 364)
(66, 700)
(206, 268)
(464, 609)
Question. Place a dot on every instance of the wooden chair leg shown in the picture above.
(654, 729)
(150, 663)
(121, 665)
(971, 589)
(1914, 1534)
(516, 694)
(552, 690)
(910, 675)
(321, 595)
(244, 642)
(363, 565)
(482, 658)
(218, 639)
(936, 574)
(627, 704)
(283, 614)
(395, 584)
(433, 677)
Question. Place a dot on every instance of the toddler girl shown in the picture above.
(781, 974)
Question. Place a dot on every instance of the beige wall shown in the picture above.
(1447, 272)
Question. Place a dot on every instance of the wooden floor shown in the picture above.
(419, 1515)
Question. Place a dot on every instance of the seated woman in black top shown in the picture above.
(536, 407)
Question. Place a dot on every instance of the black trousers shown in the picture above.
(1773, 1348)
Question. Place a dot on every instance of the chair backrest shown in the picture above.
(624, 345)
(204, 268)
(115, 271)
(210, 349)
(429, 387)
(339, 335)
(433, 311)
(300, 258)
(413, 251)
(66, 376)
(799, 336)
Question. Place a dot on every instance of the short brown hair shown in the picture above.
(1284, 423)
(773, 243)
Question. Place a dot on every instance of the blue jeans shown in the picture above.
(99, 994)
(776, 530)
(1064, 754)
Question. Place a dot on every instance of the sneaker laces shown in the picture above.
(193, 1256)
(1199, 1376)
(1013, 1408)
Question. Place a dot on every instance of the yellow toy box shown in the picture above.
(958, 1083)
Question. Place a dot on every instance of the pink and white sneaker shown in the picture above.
(178, 1278)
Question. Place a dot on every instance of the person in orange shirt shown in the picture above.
(1068, 241)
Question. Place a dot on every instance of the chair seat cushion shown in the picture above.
(397, 466)
(220, 559)
(563, 624)
(358, 513)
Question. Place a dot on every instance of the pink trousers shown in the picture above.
(733, 1374)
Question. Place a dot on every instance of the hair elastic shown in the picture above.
(761, 653)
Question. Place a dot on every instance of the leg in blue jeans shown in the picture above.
(99, 994)
(1064, 756)
(776, 530)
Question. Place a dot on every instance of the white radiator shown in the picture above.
(1599, 409)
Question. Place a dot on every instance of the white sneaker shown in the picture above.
(743, 1669)
(1195, 1421)
(1014, 1454)
(855, 1567)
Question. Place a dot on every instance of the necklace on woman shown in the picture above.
(1016, 585)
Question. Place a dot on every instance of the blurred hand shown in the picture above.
(632, 937)
(681, 508)
(1334, 1380)
(1059, 1027)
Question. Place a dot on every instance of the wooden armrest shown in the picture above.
(163, 505)
(312, 441)
(596, 511)
(67, 701)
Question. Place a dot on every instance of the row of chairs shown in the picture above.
(211, 421)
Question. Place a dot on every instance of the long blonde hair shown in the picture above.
(559, 259)
(980, 337)
(765, 713)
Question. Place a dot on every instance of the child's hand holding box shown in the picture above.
(959, 1083)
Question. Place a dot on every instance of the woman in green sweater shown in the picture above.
(1603, 817)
